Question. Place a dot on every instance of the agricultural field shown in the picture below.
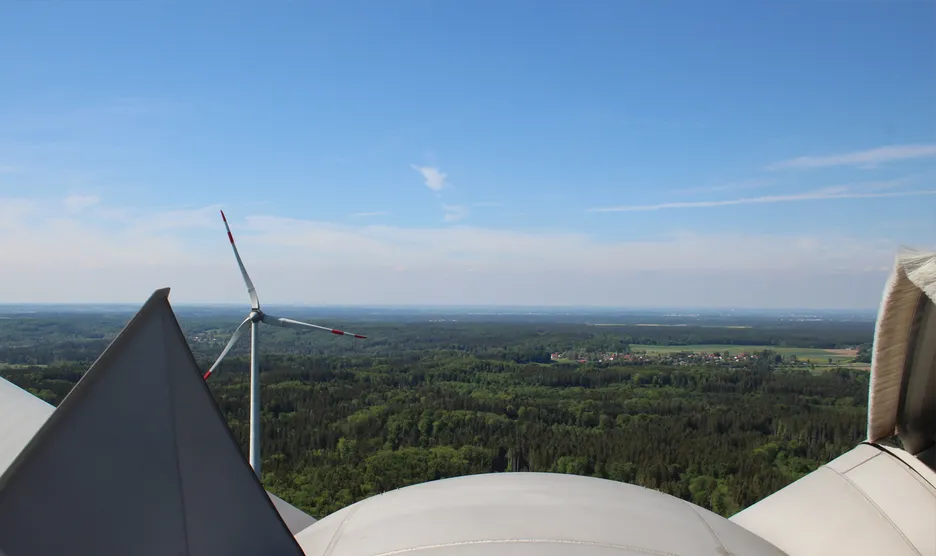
(810, 355)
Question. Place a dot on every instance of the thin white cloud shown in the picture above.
(493, 249)
(77, 203)
(15, 212)
(454, 213)
(866, 158)
(487, 204)
(201, 218)
(888, 185)
(727, 186)
(78, 257)
(817, 195)
(435, 179)
(369, 214)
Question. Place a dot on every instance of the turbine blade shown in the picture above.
(290, 323)
(234, 337)
(251, 291)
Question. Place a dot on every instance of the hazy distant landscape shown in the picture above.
(719, 408)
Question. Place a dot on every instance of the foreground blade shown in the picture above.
(251, 291)
(290, 323)
(234, 337)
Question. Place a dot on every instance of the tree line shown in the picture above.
(340, 428)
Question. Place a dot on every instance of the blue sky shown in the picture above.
(606, 153)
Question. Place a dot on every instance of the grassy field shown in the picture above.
(812, 355)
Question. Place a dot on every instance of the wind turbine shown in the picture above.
(254, 319)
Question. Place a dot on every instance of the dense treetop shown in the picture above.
(423, 401)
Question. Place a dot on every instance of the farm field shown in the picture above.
(812, 355)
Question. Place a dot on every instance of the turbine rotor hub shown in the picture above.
(256, 315)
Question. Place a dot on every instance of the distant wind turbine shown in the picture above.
(254, 319)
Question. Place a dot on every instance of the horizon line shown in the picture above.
(234, 305)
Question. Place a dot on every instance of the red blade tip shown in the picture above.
(361, 337)
(223, 217)
(207, 374)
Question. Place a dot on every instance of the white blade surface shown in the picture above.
(290, 323)
(234, 337)
(251, 291)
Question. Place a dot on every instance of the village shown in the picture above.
(671, 358)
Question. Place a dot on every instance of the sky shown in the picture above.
(605, 153)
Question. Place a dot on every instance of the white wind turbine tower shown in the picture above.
(254, 319)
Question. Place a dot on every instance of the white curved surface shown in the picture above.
(528, 513)
(867, 502)
(21, 415)
(902, 394)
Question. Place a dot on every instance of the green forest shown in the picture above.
(423, 401)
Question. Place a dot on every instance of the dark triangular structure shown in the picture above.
(138, 460)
